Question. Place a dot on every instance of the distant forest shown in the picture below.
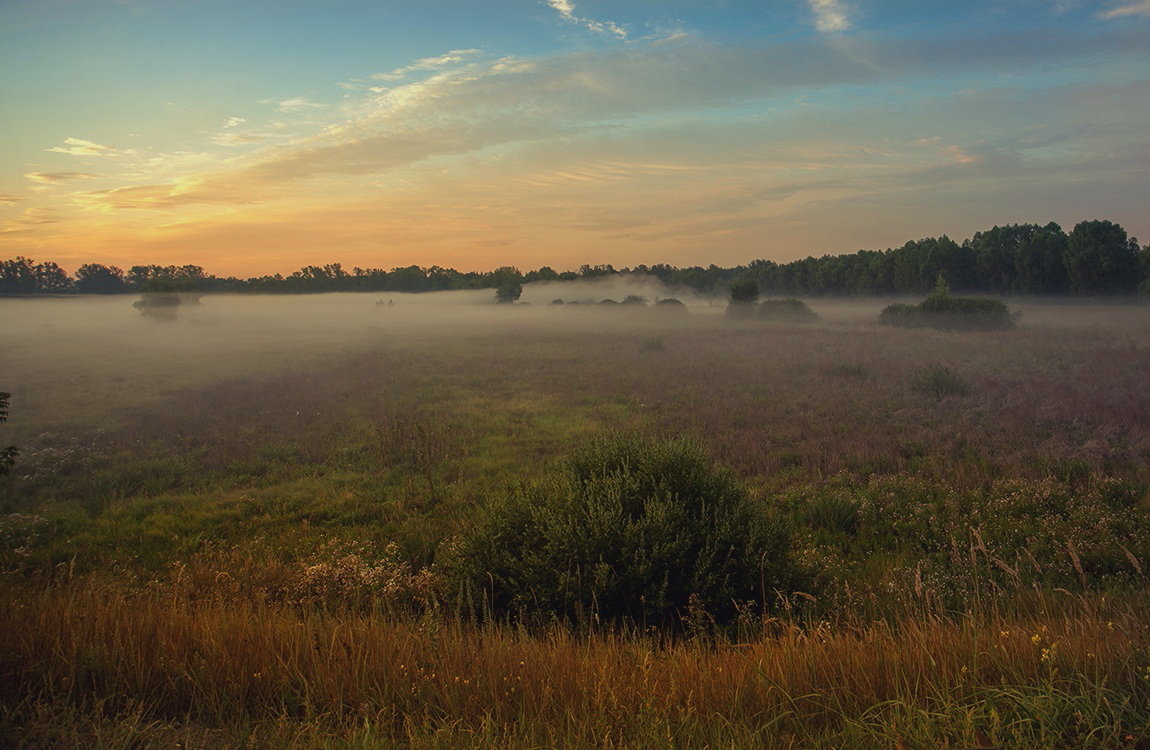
(1096, 258)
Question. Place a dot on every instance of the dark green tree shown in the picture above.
(1101, 259)
(745, 290)
(508, 284)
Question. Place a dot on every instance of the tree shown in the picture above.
(745, 290)
(18, 276)
(51, 278)
(7, 455)
(1039, 261)
(546, 273)
(1101, 259)
(96, 278)
(508, 284)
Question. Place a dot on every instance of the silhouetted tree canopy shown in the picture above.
(1096, 258)
(95, 278)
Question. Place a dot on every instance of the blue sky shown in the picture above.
(252, 136)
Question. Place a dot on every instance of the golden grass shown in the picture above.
(163, 659)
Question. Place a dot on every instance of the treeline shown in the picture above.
(1095, 258)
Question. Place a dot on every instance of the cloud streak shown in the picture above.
(1132, 9)
(566, 10)
(454, 57)
(52, 178)
(82, 147)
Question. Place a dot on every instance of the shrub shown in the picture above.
(901, 315)
(788, 310)
(630, 530)
(951, 314)
(966, 313)
(939, 381)
(670, 304)
(740, 310)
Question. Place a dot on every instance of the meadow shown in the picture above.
(228, 530)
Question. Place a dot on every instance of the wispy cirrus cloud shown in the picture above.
(1131, 9)
(566, 9)
(82, 147)
(299, 104)
(10, 200)
(228, 138)
(52, 178)
(454, 57)
(830, 15)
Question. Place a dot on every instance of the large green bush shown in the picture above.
(629, 530)
(950, 313)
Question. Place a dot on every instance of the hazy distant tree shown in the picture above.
(745, 289)
(159, 300)
(1101, 259)
(994, 256)
(592, 272)
(508, 284)
(51, 279)
(546, 273)
(7, 455)
(185, 278)
(1039, 262)
(95, 278)
(142, 274)
(1025, 258)
(18, 276)
(744, 297)
(1144, 263)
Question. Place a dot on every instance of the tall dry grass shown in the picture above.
(1074, 674)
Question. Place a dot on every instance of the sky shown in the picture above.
(257, 136)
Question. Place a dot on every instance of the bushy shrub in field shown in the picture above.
(788, 310)
(965, 313)
(670, 304)
(900, 314)
(630, 529)
(939, 381)
(950, 313)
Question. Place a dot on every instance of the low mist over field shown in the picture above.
(355, 453)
